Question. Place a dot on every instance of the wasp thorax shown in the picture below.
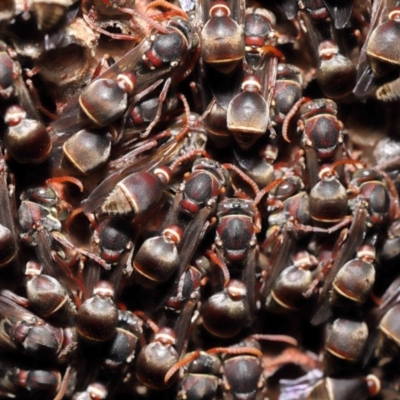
(258, 27)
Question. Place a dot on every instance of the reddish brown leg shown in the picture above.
(290, 115)
(37, 102)
(101, 65)
(180, 364)
(220, 264)
(245, 177)
(186, 157)
(66, 243)
(151, 324)
(122, 161)
(273, 235)
(327, 265)
(192, 63)
(62, 179)
(161, 100)
(266, 190)
(64, 384)
(71, 217)
(235, 350)
(159, 28)
(22, 301)
(394, 198)
(169, 6)
(165, 16)
(66, 265)
(274, 52)
(117, 36)
(186, 128)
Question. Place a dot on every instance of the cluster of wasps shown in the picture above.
(183, 184)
